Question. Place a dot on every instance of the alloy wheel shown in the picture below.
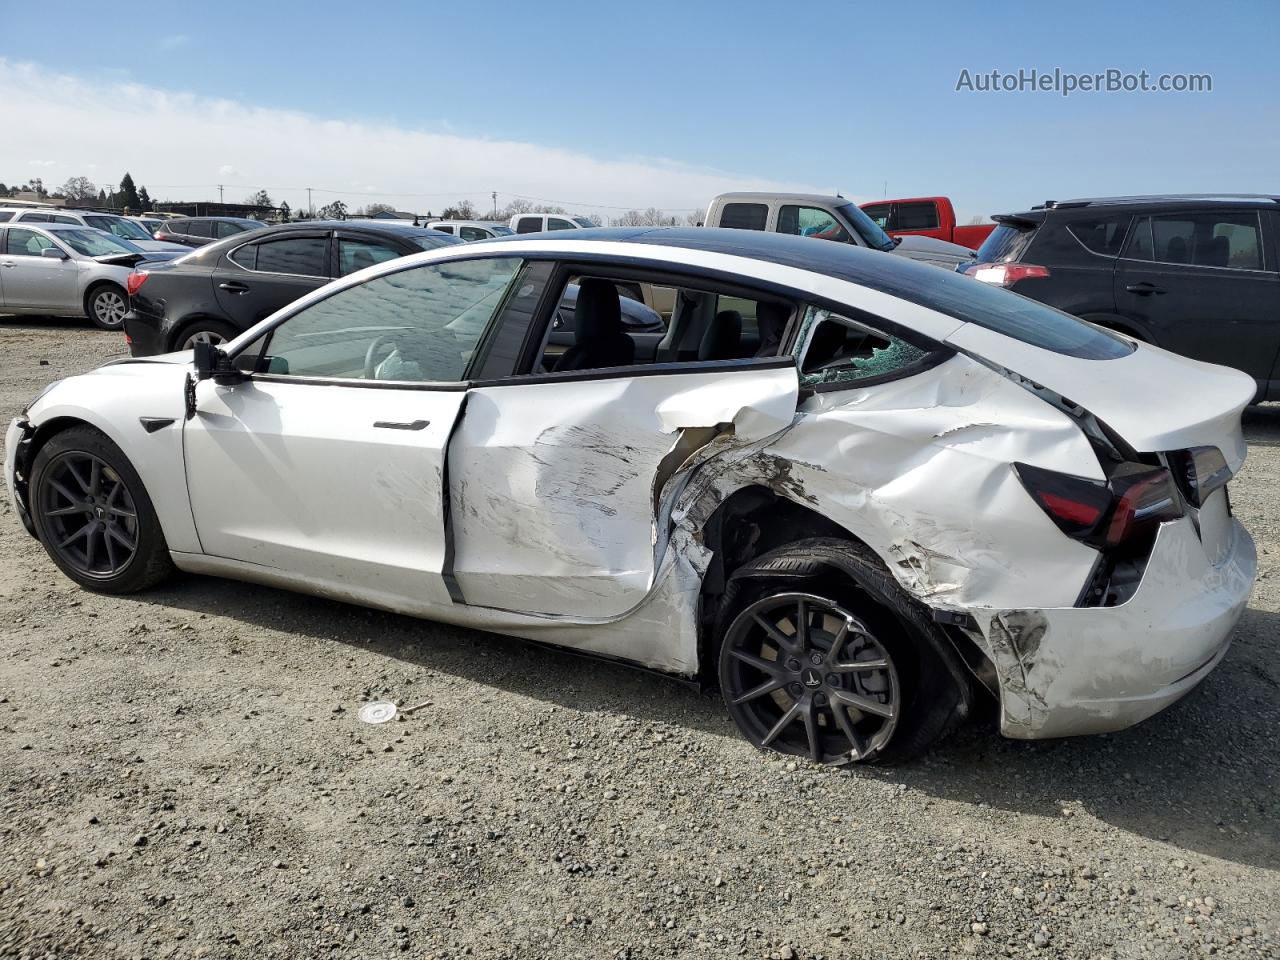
(89, 514)
(803, 675)
(109, 308)
(203, 336)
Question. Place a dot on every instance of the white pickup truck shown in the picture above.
(827, 218)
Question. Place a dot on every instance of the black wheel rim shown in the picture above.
(803, 675)
(89, 515)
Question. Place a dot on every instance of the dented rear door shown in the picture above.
(555, 481)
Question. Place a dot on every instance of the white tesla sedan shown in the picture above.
(855, 491)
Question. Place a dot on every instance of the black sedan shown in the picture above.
(220, 290)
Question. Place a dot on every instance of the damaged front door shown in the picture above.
(552, 484)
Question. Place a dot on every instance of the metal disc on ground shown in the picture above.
(379, 711)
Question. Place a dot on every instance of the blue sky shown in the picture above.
(845, 96)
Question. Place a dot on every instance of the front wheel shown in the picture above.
(93, 515)
(106, 306)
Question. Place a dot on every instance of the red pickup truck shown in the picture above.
(926, 217)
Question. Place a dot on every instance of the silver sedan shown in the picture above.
(61, 270)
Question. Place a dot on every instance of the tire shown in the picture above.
(212, 331)
(871, 652)
(106, 304)
(93, 515)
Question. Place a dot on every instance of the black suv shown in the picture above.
(215, 293)
(197, 231)
(1199, 275)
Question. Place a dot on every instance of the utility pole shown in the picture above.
(311, 209)
(219, 193)
(495, 204)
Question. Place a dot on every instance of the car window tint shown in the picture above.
(835, 349)
(1101, 235)
(744, 216)
(176, 226)
(1207, 240)
(199, 228)
(558, 223)
(59, 218)
(881, 213)
(811, 222)
(26, 243)
(298, 256)
(35, 218)
(529, 224)
(246, 256)
(1138, 246)
(417, 325)
(222, 228)
(355, 255)
(444, 227)
(477, 233)
(917, 216)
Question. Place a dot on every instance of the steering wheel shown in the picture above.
(370, 355)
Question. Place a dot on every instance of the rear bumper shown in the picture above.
(1064, 672)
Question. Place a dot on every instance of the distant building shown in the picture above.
(202, 208)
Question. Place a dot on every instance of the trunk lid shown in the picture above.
(1155, 400)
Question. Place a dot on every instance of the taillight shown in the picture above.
(1005, 274)
(133, 283)
(1199, 471)
(1134, 501)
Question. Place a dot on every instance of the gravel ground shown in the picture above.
(183, 775)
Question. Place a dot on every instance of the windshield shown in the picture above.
(583, 222)
(119, 226)
(96, 243)
(866, 228)
(501, 231)
(428, 242)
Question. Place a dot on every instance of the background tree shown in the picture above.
(462, 210)
(102, 195)
(284, 211)
(374, 209)
(78, 188)
(653, 217)
(259, 199)
(696, 218)
(128, 196)
(144, 200)
(333, 211)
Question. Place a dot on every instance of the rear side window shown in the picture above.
(299, 256)
(529, 225)
(199, 228)
(744, 216)
(916, 216)
(838, 350)
(35, 218)
(5, 215)
(1101, 235)
(444, 228)
(222, 228)
(1199, 239)
(176, 226)
(1007, 242)
(57, 218)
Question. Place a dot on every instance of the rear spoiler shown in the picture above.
(1016, 220)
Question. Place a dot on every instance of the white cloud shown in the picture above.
(173, 41)
(45, 113)
(44, 163)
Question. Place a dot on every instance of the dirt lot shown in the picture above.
(183, 775)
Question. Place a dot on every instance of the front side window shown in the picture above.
(444, 227)
(297, 256)
(26, 243)
(836, 349)
(811, 222)
(881, 214)
(199, 228)
(529, 224)
(35, 218)
(225, 228)
(744, 216)
(59, 218)
(475, 233)
(917, 216)
(558, 223)
(420, 325)
(1101, 235)
(355, 255)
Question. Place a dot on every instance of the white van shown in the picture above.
(537, 222)
(827, 218)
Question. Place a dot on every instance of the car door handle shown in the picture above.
(1143, 289)
(233, 287)
(394, 425)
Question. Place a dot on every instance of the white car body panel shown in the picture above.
(300, 477)
(918, 468)
(555, 485)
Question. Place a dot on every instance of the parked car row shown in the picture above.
(124, 227)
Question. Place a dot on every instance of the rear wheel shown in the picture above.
(106, 306)
(205, 331)
(93, 515)
(825, 656)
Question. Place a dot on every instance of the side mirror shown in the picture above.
(206, 358)
(53, 253)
